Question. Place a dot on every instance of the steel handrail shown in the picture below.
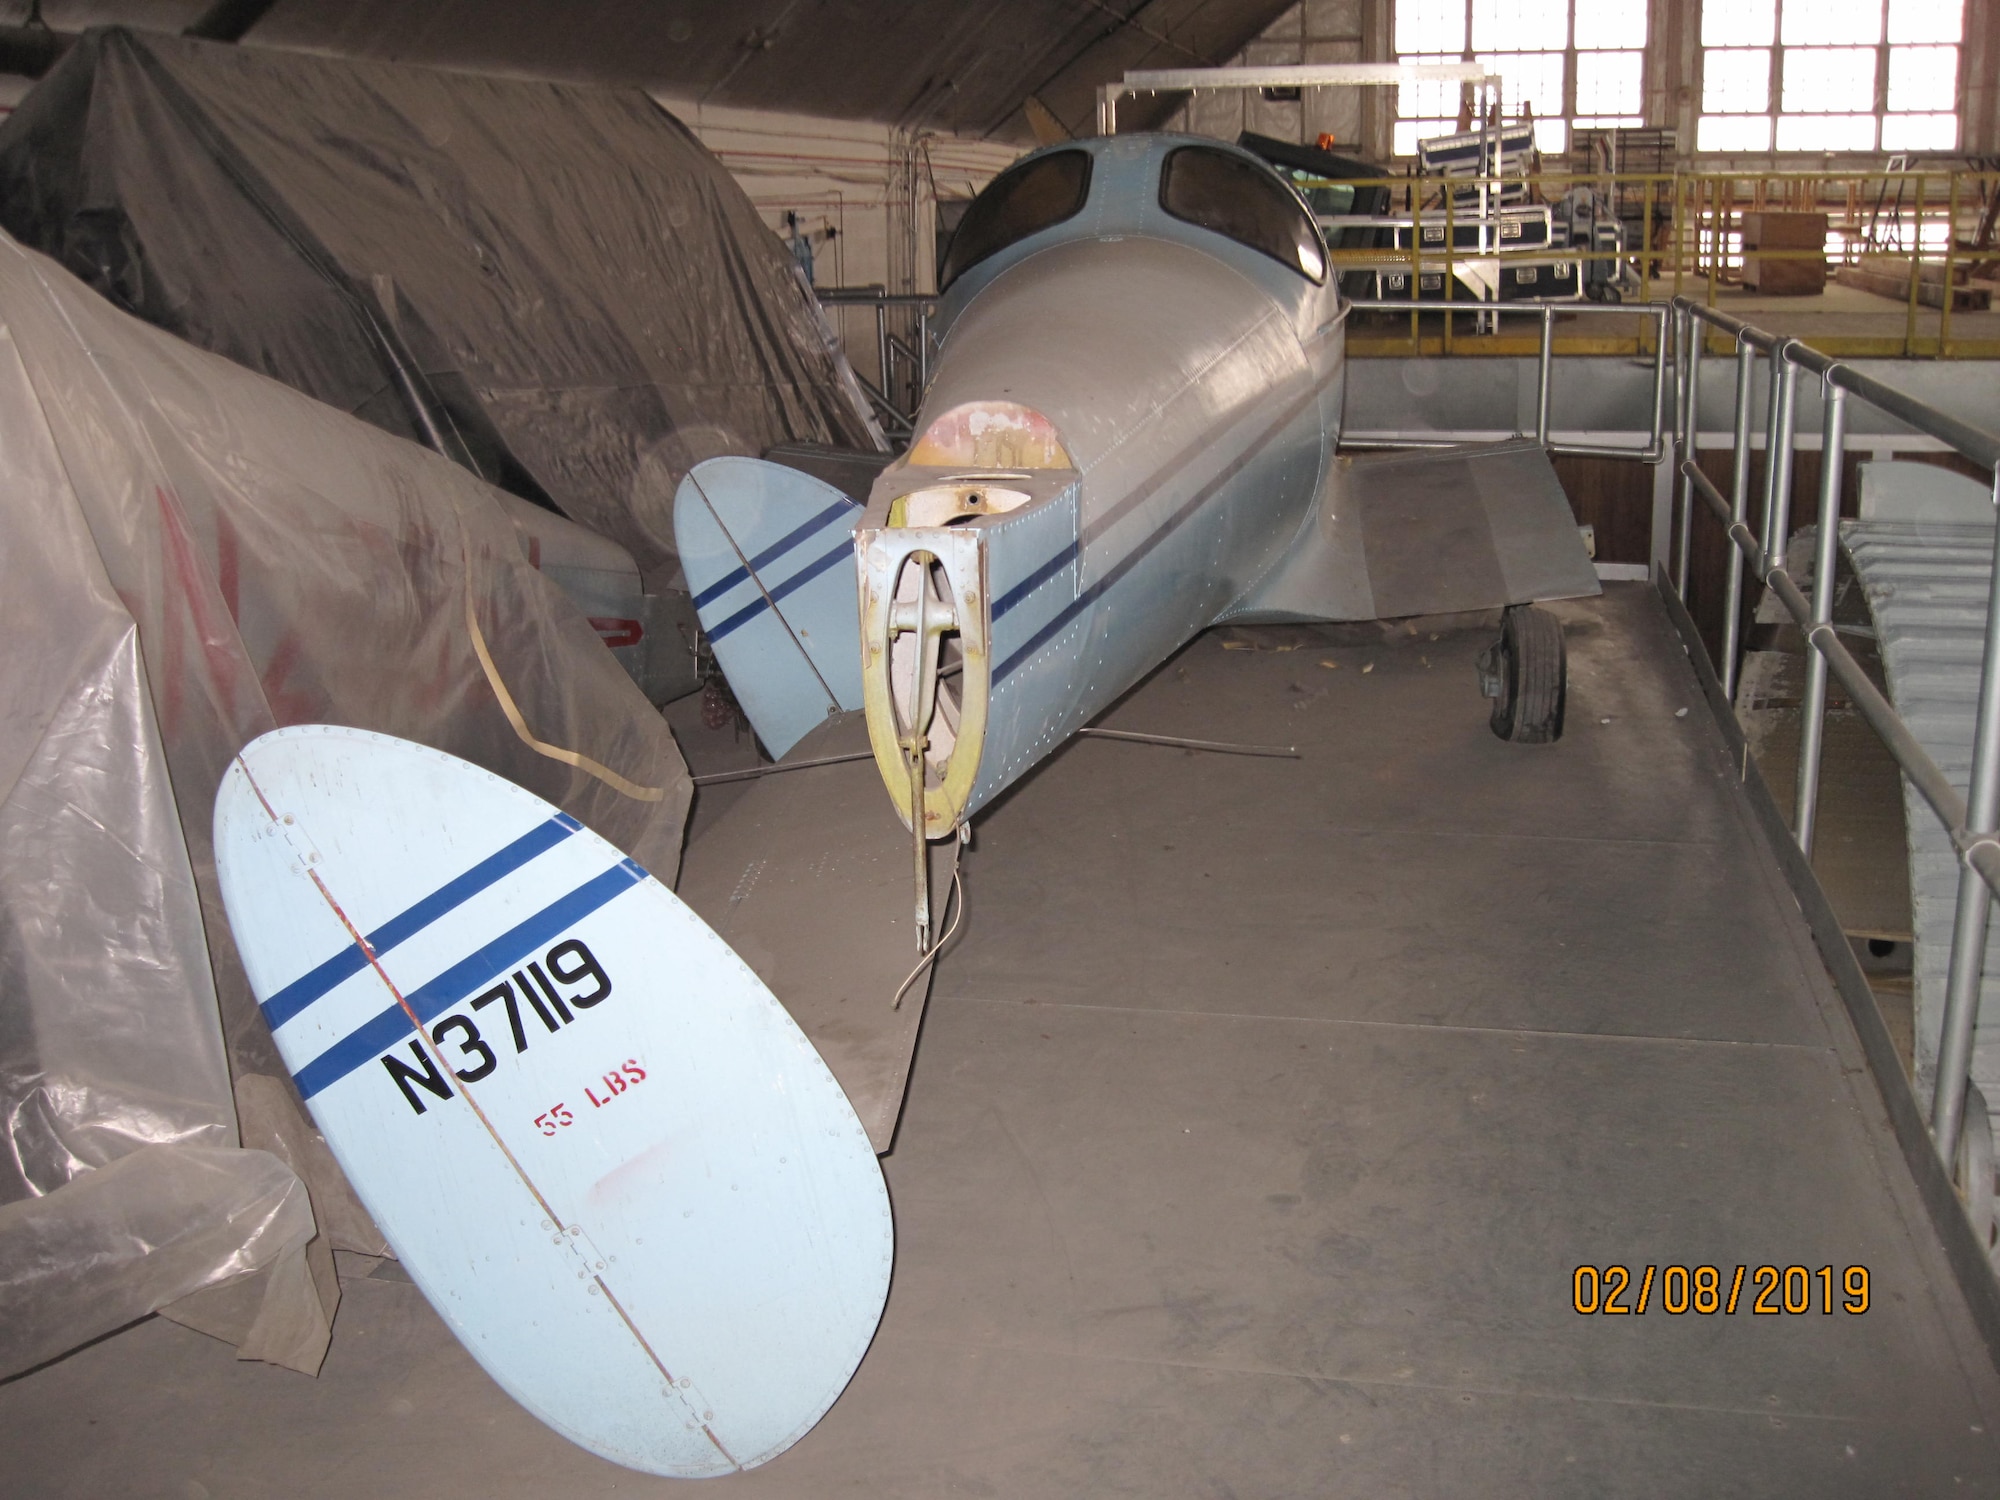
(1971, 821)
(1655, 448)
(888, 345)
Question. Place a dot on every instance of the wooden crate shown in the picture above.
(1784, 278)
(1766, 229)
(1791, 277)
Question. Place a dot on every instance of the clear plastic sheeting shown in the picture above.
(94, 879)
(151, 1227)
(190, 555)
(560, 281)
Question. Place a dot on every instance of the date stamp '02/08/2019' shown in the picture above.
(1706, 1290)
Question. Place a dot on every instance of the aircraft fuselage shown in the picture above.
(1129, 421)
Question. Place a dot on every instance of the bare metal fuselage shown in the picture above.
(1195, 387)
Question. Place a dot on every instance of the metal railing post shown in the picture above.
(1812, 721)
(1542, 374)
(1739, 509)
(1778, 531)
(1656, 442)
(1416, 272)
(882, 351)
(1950, 265)
(1916, 273)
(1646, 245)
(1774, 421)
(1975, 897)
(1450, 246)
(1691, 430)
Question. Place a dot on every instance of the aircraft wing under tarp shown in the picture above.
(808, 877)
(1430, 532)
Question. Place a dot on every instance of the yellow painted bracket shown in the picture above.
(884, 554)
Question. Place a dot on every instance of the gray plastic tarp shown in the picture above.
(190, 555)
(582, 295)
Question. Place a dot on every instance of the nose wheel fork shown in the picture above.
(918, 586)
(916, 616)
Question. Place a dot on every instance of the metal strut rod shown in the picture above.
(1174, 741)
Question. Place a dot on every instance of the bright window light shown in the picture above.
(1431, 97)
(1920, 132)
(1738, 23)
(1826, 132)
(1559, 55)
(1733, 133)
(1735, 80)
(1430, 26)
(1605, 25)
(1531, 78)
(1409, 132)
(1926, 20)
(1828, 80)
(1610, 122)
(1528, 24)
(1607, 83)
(1826, 23)
(1922, 77)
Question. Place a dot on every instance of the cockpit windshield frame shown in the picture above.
(1025, 199)
(1243, 200)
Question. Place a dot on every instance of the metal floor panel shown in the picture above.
(1257, 1126)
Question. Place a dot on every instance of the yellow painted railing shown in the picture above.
(1935, 230)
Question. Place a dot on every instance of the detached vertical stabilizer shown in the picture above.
(769, 554)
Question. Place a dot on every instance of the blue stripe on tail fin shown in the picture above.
(766, 550)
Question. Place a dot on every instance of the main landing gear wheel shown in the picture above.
(1526, 674)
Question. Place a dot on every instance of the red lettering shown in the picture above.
(595, 1102)
(616, 1084)
(633, 1071)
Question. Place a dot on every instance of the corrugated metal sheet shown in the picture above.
(1926, 585)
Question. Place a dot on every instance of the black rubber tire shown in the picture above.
(1533, 671)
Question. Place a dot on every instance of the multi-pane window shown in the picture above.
(1572, 62)
(1829, 75)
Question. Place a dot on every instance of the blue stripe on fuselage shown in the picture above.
(1152, 539)
(1034, 580)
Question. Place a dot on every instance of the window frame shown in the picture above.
(1774, 113)
(1259, 170)
(1570, 117)
(947, 273)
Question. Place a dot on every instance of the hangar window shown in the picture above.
(1831, 75)
(1021, 201)
(1237, 197)
(1572, 63)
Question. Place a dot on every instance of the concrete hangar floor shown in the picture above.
(1258, 1128)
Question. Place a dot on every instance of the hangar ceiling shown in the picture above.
(964, 66)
